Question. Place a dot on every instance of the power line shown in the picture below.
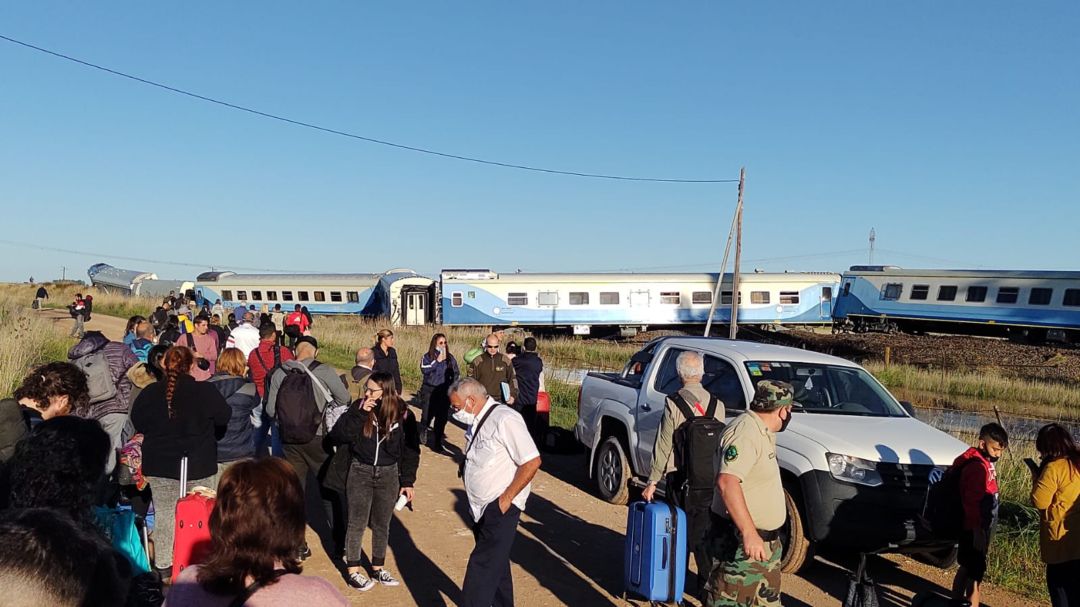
(333, 131)
(204, 266)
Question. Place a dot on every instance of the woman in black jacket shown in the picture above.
(231, 381)
(178, 417)
(386, 357)
(381, 436)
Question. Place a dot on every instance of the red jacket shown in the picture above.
(297, 318)
(261, 361)
(978, 490)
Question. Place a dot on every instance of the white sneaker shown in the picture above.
(360, 581)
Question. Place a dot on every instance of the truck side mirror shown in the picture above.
(908, 407)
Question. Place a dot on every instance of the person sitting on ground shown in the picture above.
(178, 417)
(48, 391)
(129, 331)
(231, 381)
(245, 336)
(386, 359)
(979, 499)
(48, 559)
(381, 437)
(1055, 493)
(111, 412)
(255, 529)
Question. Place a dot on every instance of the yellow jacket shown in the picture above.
(1055, 495)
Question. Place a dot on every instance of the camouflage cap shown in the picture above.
(772, 394)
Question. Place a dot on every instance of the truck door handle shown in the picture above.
(646, 407)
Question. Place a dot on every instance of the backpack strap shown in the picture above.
(254, 587)
(683, 406)
(713, 404)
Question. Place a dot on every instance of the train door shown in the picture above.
(639, 299)
(825, 311)
(416, 307)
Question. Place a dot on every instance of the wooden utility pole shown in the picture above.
(734, 327)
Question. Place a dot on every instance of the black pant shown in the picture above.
(311, 458)
(436, 404)
(1063, 582)
(696, 503)
(488, 582)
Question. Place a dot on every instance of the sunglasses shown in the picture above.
(492, 347)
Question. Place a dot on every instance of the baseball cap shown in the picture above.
(772, 394)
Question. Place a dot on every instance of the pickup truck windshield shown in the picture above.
(829, 388)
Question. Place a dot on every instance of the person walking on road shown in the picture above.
(495, 372)
(1055, 495)
(78, 313)
(692, 400)
(501, 460)
(748, 506)
(529, 372)
(386, 359)
(440, 370)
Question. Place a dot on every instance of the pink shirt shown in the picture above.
(290, 590)
(206, 345)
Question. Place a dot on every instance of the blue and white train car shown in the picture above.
(630, 302)
(401, 296)
(1031, 305)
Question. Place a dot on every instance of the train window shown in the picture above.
(826, 293)
(256, 295)
(701, 297)
(1072, 297)
(303, 296)
(1008, 295)
(547, 298)
(892, 290)
(847, 288)
(725, 298)
(286, 296)
(335, 296)
(920, 291)
(976, 294)
(241, 295)
(609, 298)
(946, 293)
(517, 299)
(789, 297)
(670, 297)
(320, 295)
(226, 295)
(456, 299)
(1040, 297)
(762, 297)
(271, 295)
(579, 298)
(352, 296)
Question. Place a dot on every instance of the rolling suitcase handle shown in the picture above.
(183, 476)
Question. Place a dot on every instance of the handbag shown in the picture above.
(119, 527)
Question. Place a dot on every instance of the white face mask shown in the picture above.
(465, 417)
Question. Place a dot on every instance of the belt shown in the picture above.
(768, 536)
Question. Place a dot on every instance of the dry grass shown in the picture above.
(110, 304)
(28, 341)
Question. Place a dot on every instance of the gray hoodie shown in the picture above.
(324, 373)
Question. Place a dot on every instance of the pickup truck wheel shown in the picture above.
(612, 472)
(797, 547)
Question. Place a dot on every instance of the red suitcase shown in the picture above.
(191, 538)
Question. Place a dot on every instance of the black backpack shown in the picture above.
(297, 412)
(695, 441)
(943, 511)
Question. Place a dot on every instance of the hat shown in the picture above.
(772, 394)
(239, 312)
(307, 339)
(183, 310)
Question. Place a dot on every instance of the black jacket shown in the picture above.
(388, 363)
(401, 446)
(527, 368)
(200, 417)
(242, 397)
(13, 427)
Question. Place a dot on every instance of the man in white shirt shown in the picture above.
(501, 460)
(245, 336)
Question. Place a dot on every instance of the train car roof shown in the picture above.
(228, 278)
(916, 273)
(523, 277)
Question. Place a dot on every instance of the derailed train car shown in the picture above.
(134, 282)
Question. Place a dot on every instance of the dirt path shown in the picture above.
(569, 546)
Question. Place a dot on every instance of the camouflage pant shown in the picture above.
(737, 581)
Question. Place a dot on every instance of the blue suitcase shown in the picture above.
(655, 559)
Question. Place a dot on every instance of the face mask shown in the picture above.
(464, 417)
(784, 423)
(988, 457)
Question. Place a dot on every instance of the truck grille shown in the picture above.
(907, 477)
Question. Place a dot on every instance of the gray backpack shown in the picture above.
(99, 377)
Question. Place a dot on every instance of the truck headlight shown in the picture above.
(853, 470)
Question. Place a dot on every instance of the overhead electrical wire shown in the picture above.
(333, 131)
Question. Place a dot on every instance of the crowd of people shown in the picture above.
(251, 414)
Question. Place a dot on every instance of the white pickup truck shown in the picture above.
(855, 463)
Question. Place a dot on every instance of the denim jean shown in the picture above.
(267, 436)
(371, 491)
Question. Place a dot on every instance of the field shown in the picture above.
(1014, 563)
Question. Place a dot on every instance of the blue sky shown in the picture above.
(951, 128)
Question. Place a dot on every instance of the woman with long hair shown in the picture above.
(380, 433)
(1055, 494)
(129, 332)
(440, 369)
(386, 356)
(255, 530)
(232, 382)
(178, 417)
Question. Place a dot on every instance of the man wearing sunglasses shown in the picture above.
(495, 372)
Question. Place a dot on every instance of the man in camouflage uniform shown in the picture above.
(748, 506)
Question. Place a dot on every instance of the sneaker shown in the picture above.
(360, 581)
(383, 577)
(305, 553)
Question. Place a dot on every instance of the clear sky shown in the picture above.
(953, 128)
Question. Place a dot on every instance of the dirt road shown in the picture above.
(569, 547)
